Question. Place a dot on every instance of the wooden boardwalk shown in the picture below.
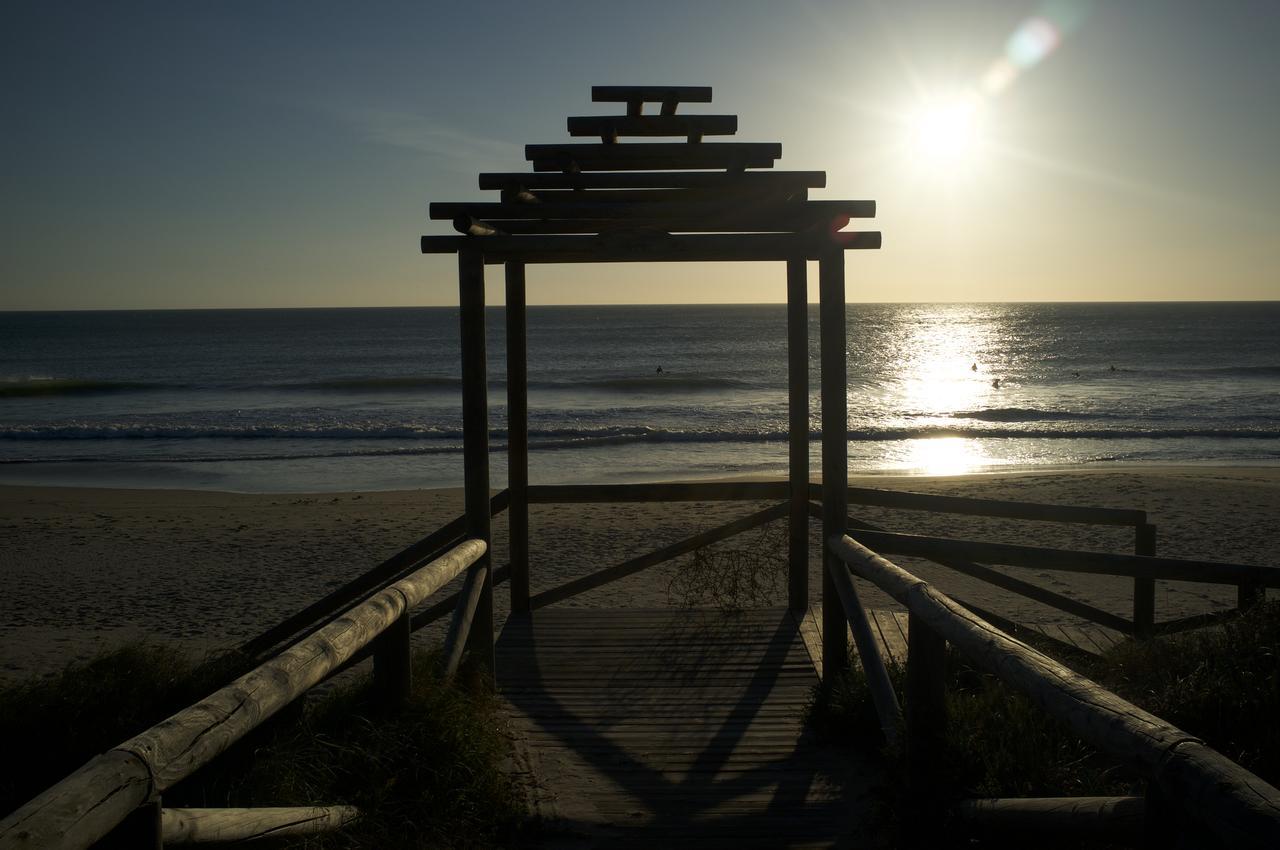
(673, 726)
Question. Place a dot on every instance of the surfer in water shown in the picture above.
(996, 383)
(659, 372)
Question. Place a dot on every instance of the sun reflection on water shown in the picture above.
(945, 456)
(939, 364)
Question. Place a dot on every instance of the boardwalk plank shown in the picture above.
(677, 727)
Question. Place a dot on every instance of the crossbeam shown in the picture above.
(614, 126)
(651, 94)
(651, 156)
(653, 247)
(713, 211)
(515, 181)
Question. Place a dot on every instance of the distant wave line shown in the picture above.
(1028, 414)
(36, 387)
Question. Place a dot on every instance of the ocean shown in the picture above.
(304, 400)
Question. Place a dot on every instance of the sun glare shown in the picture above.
(946, 130)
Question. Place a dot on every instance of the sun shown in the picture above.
(946, 130)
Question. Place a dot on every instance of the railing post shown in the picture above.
(926, 718)
(1144, 589)
(392, 663)
(475, 447)
(141, 828)
(798, 428)
(517, 436)
(926, 713)
(1249, 593)
(835, 451)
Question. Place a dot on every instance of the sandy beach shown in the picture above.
(84, 569)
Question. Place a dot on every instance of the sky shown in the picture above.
(282, 154)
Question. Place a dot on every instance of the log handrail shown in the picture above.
(86, 805)
(218, 826)
(1235, 804)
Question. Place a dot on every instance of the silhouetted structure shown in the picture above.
(684, 201)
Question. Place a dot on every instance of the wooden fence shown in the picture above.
(121, 789)
(1189, 779)
(125, 784)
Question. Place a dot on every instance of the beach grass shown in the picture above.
(430, 774)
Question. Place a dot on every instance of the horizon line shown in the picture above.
(618, 304)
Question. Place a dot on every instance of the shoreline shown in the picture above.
(85, 567)
(1100, 467)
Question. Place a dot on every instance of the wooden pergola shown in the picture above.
(687, 200)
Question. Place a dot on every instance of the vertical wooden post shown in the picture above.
(1249, 593)
(518, 437)
(835, 450)
(141, 828)
(1144, 589)
(798, 432)
(926, 714)
(475, 447)
(392, 663)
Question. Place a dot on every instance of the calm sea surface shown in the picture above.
(299, 400)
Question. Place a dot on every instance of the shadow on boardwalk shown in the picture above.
(656, 727)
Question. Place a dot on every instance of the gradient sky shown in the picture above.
(263, 154)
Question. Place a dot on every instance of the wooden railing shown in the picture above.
(123, 787)
(1188, 777)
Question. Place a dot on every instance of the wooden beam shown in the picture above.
(518, 435)
(1067, 560)
(84, 806)
(201, 826)
(1020, 587)
(653, 156)
(835, 469)
(926, 716)
(397, 566)
(469, 226)
(729, 193)
(695, 491)
(639, 247)
(515, 181)
(475, 447)
(1118, 818)
(650, 94)
(393, 663)
(988, 507)
(1242, 809)
(448, 604)
(846, 601)
(464, 617)
(653, 125)
(713, 209)
(798, 435)
(1144, 589)
(666, 553)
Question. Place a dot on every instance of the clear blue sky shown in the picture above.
(283, 153)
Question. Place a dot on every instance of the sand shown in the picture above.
(86, 568)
